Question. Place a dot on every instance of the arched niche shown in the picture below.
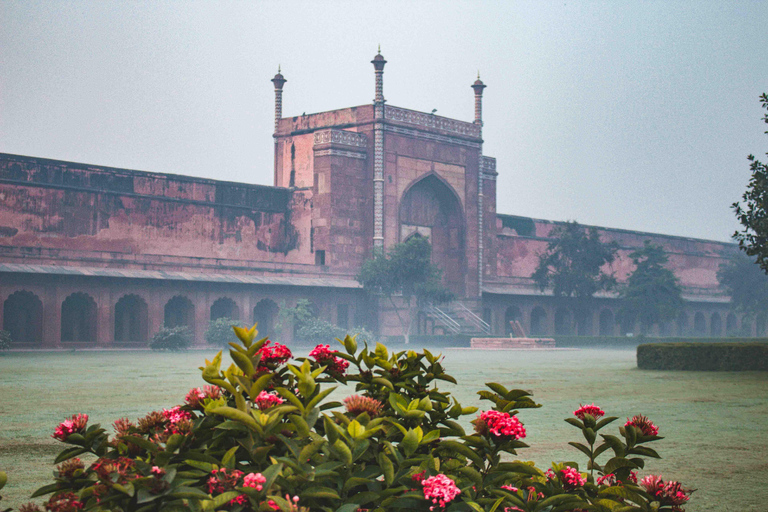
(130, 319)
(23, 317)
(78, 318)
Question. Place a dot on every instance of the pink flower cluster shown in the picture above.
(500, 424)
(440, 490)
(644, 424)
(255, 480)
(510, 488)
(572, 478)
(274, 355)
(196, 396)
(74, 425)
(593, 410)
(265, 400)
(669, 493)
(325, 356)
(357, 404)
(178, 420)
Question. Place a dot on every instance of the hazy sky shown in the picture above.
(634, 115)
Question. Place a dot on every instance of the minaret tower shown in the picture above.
(279, 81)
(478, 87)
(378, 154)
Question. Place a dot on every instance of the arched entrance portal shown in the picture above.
(429, 207)
(265, 315)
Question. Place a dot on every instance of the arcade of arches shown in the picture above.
(539, 318)
(38, 318)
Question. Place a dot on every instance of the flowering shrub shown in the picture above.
(262, 436)
(174, 339)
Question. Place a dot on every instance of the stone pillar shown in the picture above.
(378, 154)
(52, 317)
(202, 317)
(105, 319)
(478, 87)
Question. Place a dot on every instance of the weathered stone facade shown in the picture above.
(97, 255)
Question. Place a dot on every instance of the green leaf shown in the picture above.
(349, 507)
(410, 442)
(3, 479)
(317, 398)
(320, 492)
(228, 460)
(355, 429)
(618, 462)
(189, 493)
(46, 489)
(581, 448)
(174, 442)
(224, 498)
(383, 382)
(310, 449)
(605, 421)
(71, 452)
(355, 481)
(560, 499)
(386, 467)
(622, 492)
(341, 448)
(644, 450)
(497, 388)
(243, 362)
(462, 449)
(473, 475)
(260, 385)
(430, 436)
(236, 415)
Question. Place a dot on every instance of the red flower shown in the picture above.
(255, 480)
(197, 396)
(669, 493)
(65, 502)
(274, 355)
(592, 410)
(644, 424)
(335, 366)
(500, 424)
(571, 478)
(265, 400)
(75, 425)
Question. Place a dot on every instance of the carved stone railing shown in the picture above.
(423, 120)
(341, 138)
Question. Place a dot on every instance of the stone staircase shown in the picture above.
(457, 318)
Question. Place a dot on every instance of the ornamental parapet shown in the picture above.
(431, 121)
(488, 167)
(341, 143)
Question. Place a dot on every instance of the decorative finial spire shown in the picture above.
(379, 47)
(478, 87)
(279, 71)
(478, 74)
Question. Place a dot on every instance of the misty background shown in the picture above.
(635, 115)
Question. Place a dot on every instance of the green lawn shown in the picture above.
(715, 424)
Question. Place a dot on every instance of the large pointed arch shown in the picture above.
(432, 208)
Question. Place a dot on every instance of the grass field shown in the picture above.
(715, 423)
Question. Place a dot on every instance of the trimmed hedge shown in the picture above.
(734, 356)
(634, 341)
(425, 340)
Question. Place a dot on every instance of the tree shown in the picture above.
(220, 331)
(407, 271)
(652, 294)
(572, 265)
(753, 215)
(745, 282)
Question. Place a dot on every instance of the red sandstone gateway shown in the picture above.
(98, 256)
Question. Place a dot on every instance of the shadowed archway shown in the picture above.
(78, 318)
(23, 317)
(131, 319)
(432, 209)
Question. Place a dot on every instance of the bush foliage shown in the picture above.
(220, 331)
(171, 338)
(264, 436)
(703, 356)
(5, 340)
